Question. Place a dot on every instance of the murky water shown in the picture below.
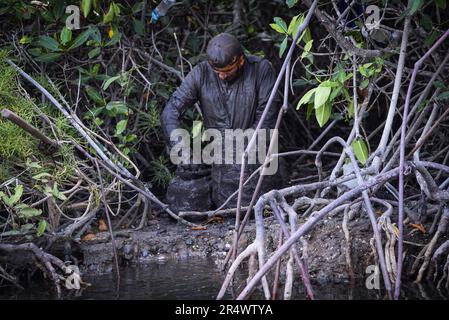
(193, 279)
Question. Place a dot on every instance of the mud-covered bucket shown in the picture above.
(190, 190)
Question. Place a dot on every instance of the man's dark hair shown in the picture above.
(223, 49)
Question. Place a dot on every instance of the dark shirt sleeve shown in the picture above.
(266, 79)
(184, 97)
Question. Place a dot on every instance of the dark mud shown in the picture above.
(165, 239)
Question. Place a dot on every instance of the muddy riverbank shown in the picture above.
(165, 239)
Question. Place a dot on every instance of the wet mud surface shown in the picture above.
(164, 239)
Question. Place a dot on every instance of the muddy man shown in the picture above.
(232, 90)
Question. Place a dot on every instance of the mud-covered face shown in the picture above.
(232, 70)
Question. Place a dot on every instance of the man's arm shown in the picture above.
(267, 78)
(184, 96)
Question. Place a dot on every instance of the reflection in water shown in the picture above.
(192, 279)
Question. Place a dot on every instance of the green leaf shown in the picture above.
(42, 176)
(10, 201)
(330, 84)
(423, 105)
(98, 121)
(307, 48)
(360, 150)
(18, 191)
(137, 7)
(364, 84)
(35, 52)
(94, 52)
(441, 4)
(310, 110)
(292, 25)
(415, 6)
(109, 16)
(439, 84)
(59, 9)
(130, 138)
(321, 95)
(443, 96)
(301, 82)
(92, 113)
(85, 6)
(120, 127)
(335, 93)
(26, 227)
(277, 28)
(426, 22)
(96, 35)
(139, 27)
(116, 9)
(49, 57)
(323, 113)
(291, 3)
(27, 212)
(196, 130)
(11, 233)
(66, 35)
(94, 95)
(110, 81)
(115, 108)
(306, 35)
(33, 165)
(346, 94)
(58, 194)
(25, 40)
(83, 37)
(41, 228)
(281, 23)
(351, 109)
(363, 71)
(48, 43)
(305, 98)
(340, 76)
(430, 39)
(283, 47)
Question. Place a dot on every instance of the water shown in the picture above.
(194, 279)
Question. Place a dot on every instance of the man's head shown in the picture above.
(225, 55)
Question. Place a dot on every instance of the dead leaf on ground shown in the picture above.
(418, 226)
(199, 228)
(102, 225)
(89, 237)
(215, 219)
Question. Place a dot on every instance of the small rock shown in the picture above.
(128, 251)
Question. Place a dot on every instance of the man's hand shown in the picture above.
(190, 169)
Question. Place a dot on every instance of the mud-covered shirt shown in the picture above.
(235, 105)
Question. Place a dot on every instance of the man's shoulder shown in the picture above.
(198, 71)
(254, 59)
(203, 65)
(259, 61)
